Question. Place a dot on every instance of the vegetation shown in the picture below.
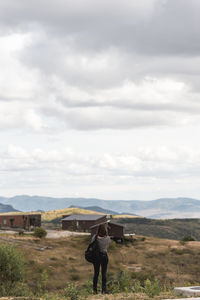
(40, 232)
(174, 229)
(187, 238)
(11, 269)
(60, 271)
(58, 213)
(120, 216)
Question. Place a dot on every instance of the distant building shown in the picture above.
(20, 221)
(82, 222)
(116, 231)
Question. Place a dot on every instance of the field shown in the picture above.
(52, 263)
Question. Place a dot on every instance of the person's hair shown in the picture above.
(102, 230)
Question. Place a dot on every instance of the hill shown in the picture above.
(4, 208)
(171, 229)
(97, 209)
(56, 214)
(164, 208)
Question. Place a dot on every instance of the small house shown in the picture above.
(20, 221)
(82, 222)
(116, 231)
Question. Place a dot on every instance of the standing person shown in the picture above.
(103, 242)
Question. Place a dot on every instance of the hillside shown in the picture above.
(171, 229)
(53, 215)
(164, 208)
(62, 261)
(98, 209)
(4, 208)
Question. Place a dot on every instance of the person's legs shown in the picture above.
(104, 264)
(96, 275)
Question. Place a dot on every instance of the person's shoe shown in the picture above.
(95, 291)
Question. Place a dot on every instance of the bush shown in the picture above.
(152, 288)
(124, 281)
(137, 288)
(12, 265)
(71, 291)
(40, 232)
(188, 238)
(143, 276)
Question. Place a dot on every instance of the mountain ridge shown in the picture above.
(5, 208)
(180, 207)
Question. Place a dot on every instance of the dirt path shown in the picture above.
(51, 234)
(55, 234)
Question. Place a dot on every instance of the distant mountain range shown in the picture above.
(4, 208)
(97, 209)
(161, 208)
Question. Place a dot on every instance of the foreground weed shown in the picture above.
(87, 289)
(152, 288)
(71, 291)
(42, 283)
(137, 287)
(122, 283)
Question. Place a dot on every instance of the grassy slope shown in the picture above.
(125, 216)
(58, 213)
(55, 214)
(176, 264)
(171, 229)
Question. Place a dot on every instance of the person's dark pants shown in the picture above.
(103, 262)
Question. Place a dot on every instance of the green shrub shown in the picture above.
(40, 232)
(112, 245)
(143, 276)
(152, 288)
(188, 238)
(137, 288)
(71, 291)
(124, 281)
(12, 265)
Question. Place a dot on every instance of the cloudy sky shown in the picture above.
(100, 98)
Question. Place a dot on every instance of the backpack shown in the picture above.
(92, 252)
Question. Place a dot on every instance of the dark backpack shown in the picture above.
(92, 252)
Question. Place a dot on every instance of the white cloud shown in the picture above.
(154, 169)
(67, 69)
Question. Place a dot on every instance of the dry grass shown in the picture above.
(58, 213)
(124, 216)
(172, 263)
(132, 296)
(21, 213)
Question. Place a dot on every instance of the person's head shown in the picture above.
(102, 230)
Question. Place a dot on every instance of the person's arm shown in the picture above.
(93, 238)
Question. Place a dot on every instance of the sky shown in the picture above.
(100, 98)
